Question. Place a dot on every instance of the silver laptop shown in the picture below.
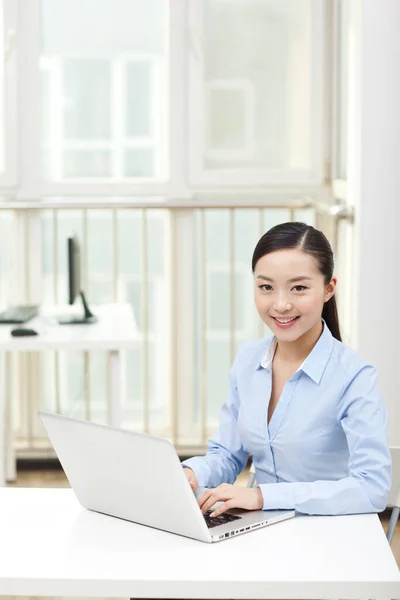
(139, 478)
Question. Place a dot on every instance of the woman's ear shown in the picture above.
(330, 289)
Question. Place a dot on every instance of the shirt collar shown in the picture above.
(315, 363)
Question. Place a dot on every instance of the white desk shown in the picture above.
(115, 330)
(50, 545)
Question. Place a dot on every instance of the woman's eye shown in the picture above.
(299, 288)
(267, 288)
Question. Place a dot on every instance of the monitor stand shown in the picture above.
(87, 318)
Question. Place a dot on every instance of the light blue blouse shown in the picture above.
(325, 448)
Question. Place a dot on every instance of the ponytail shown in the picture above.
(331, 318)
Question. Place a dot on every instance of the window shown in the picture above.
(255, 102)
(103, 89)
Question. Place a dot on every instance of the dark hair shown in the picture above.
(310, 241)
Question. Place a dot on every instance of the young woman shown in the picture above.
(302, 403)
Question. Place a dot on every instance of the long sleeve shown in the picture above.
(362, 416)
(225, 457)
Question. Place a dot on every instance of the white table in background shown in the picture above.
(115, 330)
(51, 546)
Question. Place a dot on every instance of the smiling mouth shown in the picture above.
(285, 321)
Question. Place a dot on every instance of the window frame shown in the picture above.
(201, 177)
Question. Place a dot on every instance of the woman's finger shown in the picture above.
(212, 498)
(217, 496)
(204, 497)
(223, 508)
(210, 502)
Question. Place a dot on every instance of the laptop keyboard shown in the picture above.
(220, 520)
(19, 314)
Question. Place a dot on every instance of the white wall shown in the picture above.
(374, 188)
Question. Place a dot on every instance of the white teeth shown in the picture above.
(286, 321)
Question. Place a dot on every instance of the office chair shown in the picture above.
(393, 518)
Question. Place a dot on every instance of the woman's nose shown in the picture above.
(282, 304)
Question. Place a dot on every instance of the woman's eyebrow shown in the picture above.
(301, 278)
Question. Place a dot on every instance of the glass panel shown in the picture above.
(258, 84)
(71, 378)
(100, 256)
(48, 260)
(247, 234)
(139, 163)
(138, 99)
(87, 164)
(46, 93)
(129, 251)
(87, 100)
(228, 109)
(102, 88)
(48, 383)
(217, 271)
(131, 278)
(197, 313)
(157, 318)
(98, 378)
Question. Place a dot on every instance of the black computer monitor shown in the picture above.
(74, 284)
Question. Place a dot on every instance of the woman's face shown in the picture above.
(290, 293)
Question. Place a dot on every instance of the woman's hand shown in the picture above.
(191, 477)
(232, 496)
